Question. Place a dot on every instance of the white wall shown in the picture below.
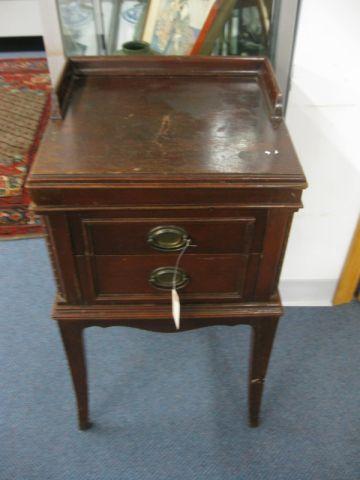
(324, 120)
(20, 18)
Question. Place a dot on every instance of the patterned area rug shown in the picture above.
(24, 111)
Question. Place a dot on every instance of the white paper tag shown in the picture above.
(175, 300)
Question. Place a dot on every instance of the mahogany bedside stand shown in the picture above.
(152, 153)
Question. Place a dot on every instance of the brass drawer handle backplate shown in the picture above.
(167, 238)
(163, 278)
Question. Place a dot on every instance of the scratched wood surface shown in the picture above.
(196, 126)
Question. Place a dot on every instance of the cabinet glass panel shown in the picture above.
(168, 27)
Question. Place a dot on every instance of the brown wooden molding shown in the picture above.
(152, 66)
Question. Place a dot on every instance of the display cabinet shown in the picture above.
(101, 27)
(225, 27)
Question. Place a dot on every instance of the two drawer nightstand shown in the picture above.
(153, 154)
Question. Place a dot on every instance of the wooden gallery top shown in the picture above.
(202, 124)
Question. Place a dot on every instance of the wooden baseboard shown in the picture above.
(307, 292)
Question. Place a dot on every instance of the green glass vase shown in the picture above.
(135, 47)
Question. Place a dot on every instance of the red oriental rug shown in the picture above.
(24, 111)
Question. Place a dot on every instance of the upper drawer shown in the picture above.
(129, 236)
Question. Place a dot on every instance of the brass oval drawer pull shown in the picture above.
(167, 238)
(163, 278)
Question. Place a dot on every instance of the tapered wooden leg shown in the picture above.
(263, 334)
(72, 337)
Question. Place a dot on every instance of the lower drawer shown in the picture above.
(119, 277)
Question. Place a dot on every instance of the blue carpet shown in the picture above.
(172, 406)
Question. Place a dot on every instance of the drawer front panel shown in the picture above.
(106, 276)
(133, 237)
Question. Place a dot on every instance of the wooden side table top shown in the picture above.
(169, 119)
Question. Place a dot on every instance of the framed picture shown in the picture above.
(173, 26)
(219, 14)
